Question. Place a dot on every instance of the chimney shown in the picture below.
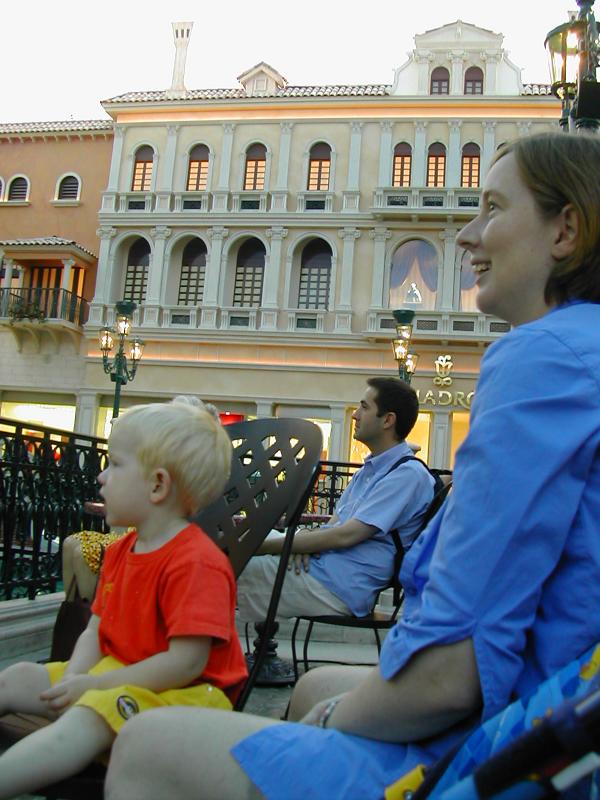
(181, 38)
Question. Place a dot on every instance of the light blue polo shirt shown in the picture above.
(387, 500)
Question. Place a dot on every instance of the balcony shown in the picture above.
(315, 201)
(40, 312)
(192, 201)
(392, 202)
(451, 325)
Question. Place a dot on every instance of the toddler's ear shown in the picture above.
(160, 485)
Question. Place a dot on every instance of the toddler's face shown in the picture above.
(123, 487)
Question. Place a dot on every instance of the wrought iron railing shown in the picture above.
(43, 304)
(332, 481)
(46, 475)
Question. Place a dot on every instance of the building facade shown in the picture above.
(267, 233)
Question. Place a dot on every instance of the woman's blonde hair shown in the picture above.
(187, 441)
(561, 169)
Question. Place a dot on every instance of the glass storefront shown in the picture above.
(49, 415)
(459, 430)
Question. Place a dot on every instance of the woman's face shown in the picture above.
(511, 247)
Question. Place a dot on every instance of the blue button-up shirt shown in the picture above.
(387, 499)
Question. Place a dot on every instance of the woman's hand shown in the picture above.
(63, 694)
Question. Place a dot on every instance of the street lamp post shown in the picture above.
(405, 358)
(119, 370)
(574, 51)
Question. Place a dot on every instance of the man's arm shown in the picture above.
(436, 689)
(315, 540)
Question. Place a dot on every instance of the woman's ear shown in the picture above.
(160, 483)
(567, 232)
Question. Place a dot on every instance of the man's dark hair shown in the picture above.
(398, 397)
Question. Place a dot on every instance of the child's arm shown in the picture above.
(176, 667)
(87, 651)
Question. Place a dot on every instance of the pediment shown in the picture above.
(458, 34)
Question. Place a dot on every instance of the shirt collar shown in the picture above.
(385, 460)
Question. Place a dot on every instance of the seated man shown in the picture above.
(340, 567)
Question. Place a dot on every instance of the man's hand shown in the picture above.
(301, 561)
(63, 694)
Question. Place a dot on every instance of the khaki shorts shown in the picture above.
(120, 703)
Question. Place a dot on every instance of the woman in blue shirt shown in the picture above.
(503, 587)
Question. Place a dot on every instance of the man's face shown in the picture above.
(367, 425)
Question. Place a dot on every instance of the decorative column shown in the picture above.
(213, 271)
(524, 128)
(165, 188)
(65, 278)
(343, 316)
(379, 235)
(86, 412)
(385, 155)
(338, 438)
(351, 196)
(445, 300)
(109, 197)
(160, 234)
(8, 268)
(419, 160)
(489, 147)
(439, 456)
(264, 408)
(453, 171)
(423, 63)
(221, 193)
(491, 72)
(270, 304)
(456, 73)
(280, 192)
(104, 275)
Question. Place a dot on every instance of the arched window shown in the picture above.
(474, 81)
(68, 188)
(436, 165)
(142, 170)
(136, 275)
(402, 164)
(469, 173)
(249, 270)
(256, 163)
(440, 81)
(315, 275)
(1, 187)
(468, 289)
(319, 166)
(18, 189)
(414, 275)
(197, 180)
(193, 272)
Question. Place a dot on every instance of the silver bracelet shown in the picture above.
(327, 712)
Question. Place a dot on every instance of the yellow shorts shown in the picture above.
(119, 704)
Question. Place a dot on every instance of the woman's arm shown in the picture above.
(436, 689)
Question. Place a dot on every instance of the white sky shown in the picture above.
(60, 58)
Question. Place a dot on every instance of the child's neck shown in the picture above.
(153, 534)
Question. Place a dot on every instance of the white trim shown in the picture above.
(306, 161)
(294, 246)
(57, 187)
(131, 159)
(242, 165)
(9, 184)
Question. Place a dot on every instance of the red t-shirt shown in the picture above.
(185, 588)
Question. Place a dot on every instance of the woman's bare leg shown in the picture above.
(182, 753)
(322, 682)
